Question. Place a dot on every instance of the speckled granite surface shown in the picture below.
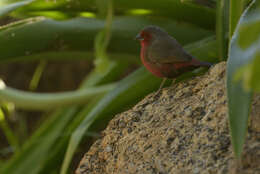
(184, 130)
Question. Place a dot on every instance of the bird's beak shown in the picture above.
(139, 37)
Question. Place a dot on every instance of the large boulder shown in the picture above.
(184, 130)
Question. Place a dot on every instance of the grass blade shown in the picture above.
(10, 136)
(35, 151)
(222, 23)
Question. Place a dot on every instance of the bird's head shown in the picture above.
(150, 33)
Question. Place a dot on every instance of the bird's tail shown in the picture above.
(200, 63)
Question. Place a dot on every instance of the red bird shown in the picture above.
(163, 56)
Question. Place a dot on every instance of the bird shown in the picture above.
(163, 56)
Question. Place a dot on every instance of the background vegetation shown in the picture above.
(101, 33)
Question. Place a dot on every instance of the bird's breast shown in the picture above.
(151, 66)
(168, 70)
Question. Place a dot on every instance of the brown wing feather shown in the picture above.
(167, 50)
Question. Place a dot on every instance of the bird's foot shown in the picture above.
(156, 94)
(173, 82)
(160, 88)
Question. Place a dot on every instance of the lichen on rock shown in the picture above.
(184, 130)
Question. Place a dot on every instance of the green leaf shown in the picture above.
(36, 150)
(75, 37)
(10, 136)
(222, 28)
(248, 32)
(206, 3)
(255, 82)
(7, 7)
(236, 9)
(37, 75)
(40, 101)
(248, 42)
(173, 9)
(210, 51)
(239, 99)
(61, 124)
(103, 38)
(58, 150)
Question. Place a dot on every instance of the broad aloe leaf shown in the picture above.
(209, 44)
(249, 74)
(129, 91)
(249, 41)
(8, 7)
(243, 48)
(236, 9)
(174, 9)
(206, 3)
(49, 39)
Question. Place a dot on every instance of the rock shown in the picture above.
(185, 130)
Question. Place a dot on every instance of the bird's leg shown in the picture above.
(173, 82)
(161, 85)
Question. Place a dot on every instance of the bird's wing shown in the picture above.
(167, 50)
